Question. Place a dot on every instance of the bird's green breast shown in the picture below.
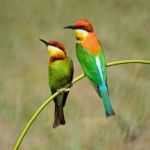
(60, 73)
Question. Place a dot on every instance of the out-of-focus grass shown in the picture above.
(123, 28)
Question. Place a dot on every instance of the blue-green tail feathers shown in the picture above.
(103, 90)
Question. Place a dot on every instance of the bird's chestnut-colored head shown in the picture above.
(55, 49)
(82, 28)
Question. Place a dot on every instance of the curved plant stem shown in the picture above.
(65, 89)
(119, 62)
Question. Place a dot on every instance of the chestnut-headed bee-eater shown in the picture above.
(60, 72)
(91, 57)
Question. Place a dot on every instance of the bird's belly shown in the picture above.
(59, 77)
(60, 81)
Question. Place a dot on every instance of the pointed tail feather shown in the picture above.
(59, 116)
(106, 100)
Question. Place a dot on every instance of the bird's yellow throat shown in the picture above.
(80, 34)
(53, 51)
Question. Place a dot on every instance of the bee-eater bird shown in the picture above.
(91, 57)
(60, 72)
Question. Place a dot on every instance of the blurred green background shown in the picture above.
(124, 30)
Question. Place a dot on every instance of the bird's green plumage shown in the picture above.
(94, 67)
(60, 73)
(87, 60)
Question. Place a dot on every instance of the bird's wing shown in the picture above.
(70, 80)
(93, 66)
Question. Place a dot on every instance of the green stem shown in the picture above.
(33, 119)
(114, 63)
(49, 99)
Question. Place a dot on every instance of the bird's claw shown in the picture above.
(62, 90)
(67, 90)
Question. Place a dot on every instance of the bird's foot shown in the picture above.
(68, 89)
(62, 90)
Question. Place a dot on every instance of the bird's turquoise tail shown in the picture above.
(106, 100)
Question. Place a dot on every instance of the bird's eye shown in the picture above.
(82, 27)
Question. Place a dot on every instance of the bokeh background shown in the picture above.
(124, 30)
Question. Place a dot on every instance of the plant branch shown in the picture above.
(65, 89)
(119, 62)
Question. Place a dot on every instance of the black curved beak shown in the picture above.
(70, 27)
(46, 43)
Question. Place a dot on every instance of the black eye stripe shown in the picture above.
(83, 28)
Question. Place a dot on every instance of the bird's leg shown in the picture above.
(62, 90)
